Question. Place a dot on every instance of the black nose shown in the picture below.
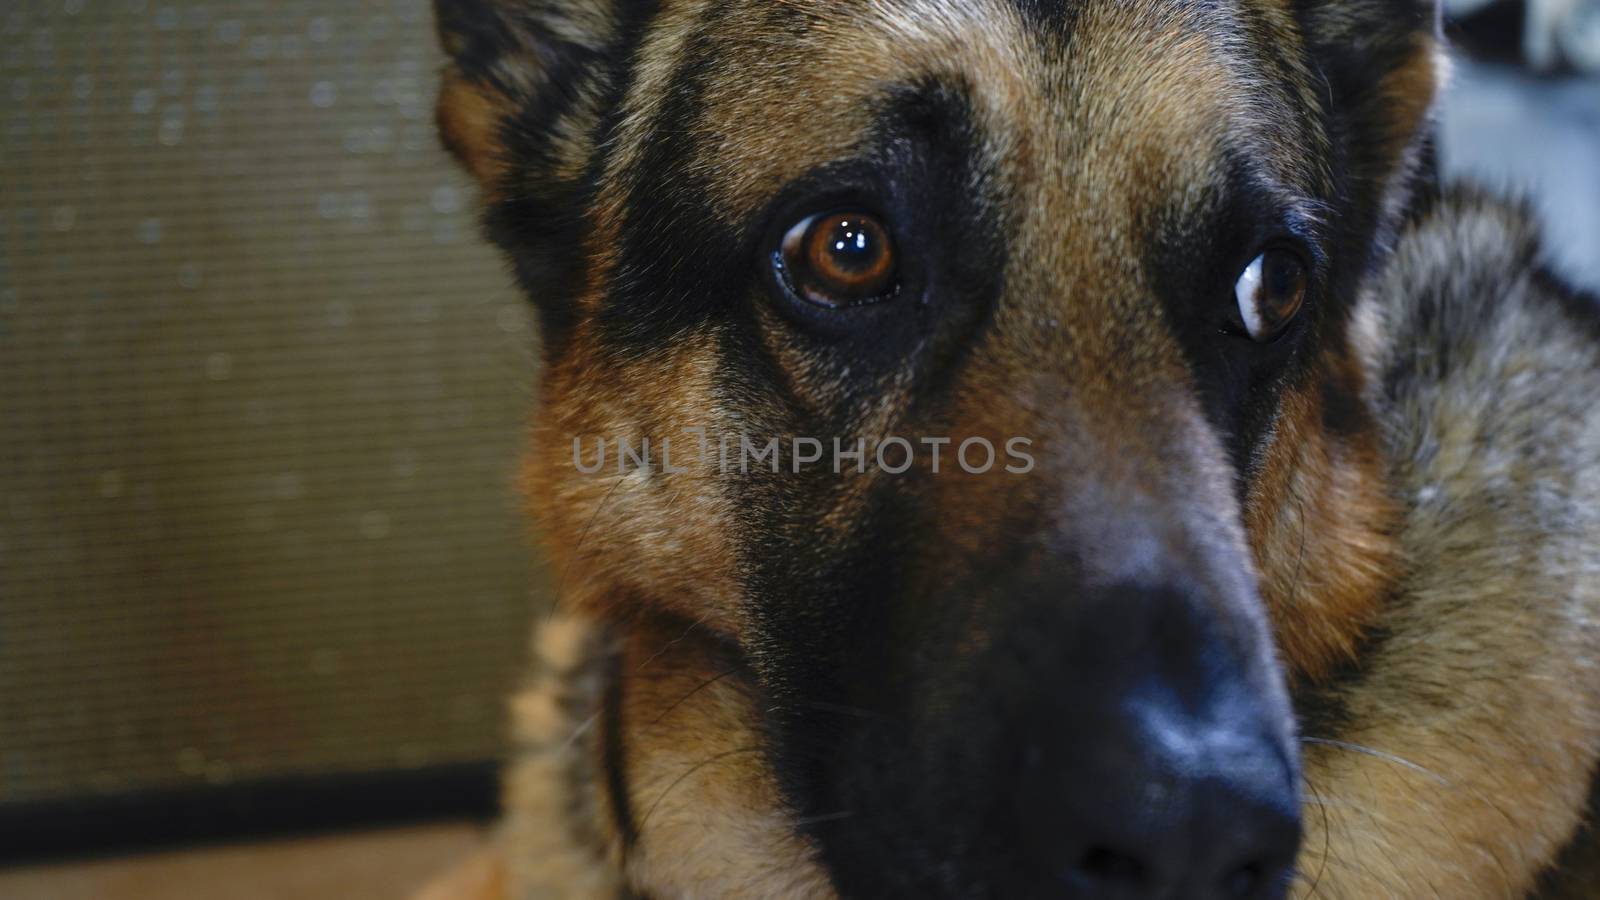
(1164, 767)
(1206, 830)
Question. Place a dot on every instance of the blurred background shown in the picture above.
(264, 575)
(262, 564)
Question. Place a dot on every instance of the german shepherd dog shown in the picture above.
(1162, 489)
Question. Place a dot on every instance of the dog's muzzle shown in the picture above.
(1131, 742)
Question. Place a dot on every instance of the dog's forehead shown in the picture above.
(1061, 95)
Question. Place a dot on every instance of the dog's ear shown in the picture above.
(524, 94)
(527, 81)
(1380, 65)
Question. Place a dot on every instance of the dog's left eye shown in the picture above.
(1270, 293)
(839, 259)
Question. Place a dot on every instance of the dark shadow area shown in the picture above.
(143, 822)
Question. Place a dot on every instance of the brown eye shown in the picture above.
(840, 259)
(1270, 293)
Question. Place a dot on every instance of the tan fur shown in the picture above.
(615, 537)
(468, 116)
(1480, 710)
(1320, 520)
(710, 819)
(556, 839)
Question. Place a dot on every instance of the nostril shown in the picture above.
(1107, 867)
(1242, 881)
(1265, 876)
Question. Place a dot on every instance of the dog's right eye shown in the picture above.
(1270, 292)
(838, 260)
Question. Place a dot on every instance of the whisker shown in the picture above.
(583, 538)
(1334, 803)
(1297, 876)
(692, 769)
(828, 817)
(698, 688)
(1379, 754)
(577, 733)
(842, 709)
(1327, 838)
(672, 643)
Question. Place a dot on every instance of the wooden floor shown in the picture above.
(384, 865)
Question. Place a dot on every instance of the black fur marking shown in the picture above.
(685, 267)
(1240, 386)
(1055, 17)
(541, 224)
(616, 756)
(1582, 307)
(680, 261)
(1321, 708)
(1356, 115)
(478, 38)
(907, 168)
(1566, 877)
(1193, 260)
(1344, 415)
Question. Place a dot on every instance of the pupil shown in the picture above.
(1282, 277)
(853, 246)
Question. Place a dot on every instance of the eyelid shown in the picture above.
(1303, 232)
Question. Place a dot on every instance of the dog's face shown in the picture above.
(1109, 246)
